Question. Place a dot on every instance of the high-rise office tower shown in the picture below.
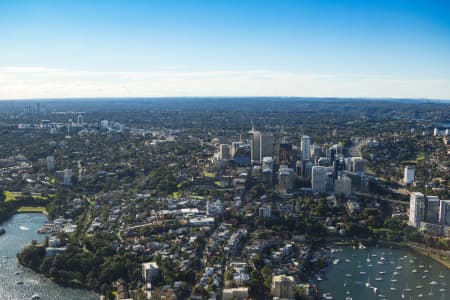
(255, 144)
(267, 145)
(305, 145)
(319, 179)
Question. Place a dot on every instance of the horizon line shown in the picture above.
(225, 97)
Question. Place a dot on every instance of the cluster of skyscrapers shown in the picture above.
(324, 166)
(429, 213)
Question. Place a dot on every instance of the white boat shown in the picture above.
(378, 279)
(399, 267)
(421, 266)
(368, 282)
(407, 289)
(362, 247)
(319, 278)
(441, 290)
(441, 275)
(392, 288)
(327, 296)
(420, 296)
(419, 286)
(414, 271)
(36, 297)
(363, 273)
(336, 261)
(348, 275)
(345, 283)
(396, 273)
(431, 292)
(347, 260)
(382, 272)
(433, 282)
(425, 271)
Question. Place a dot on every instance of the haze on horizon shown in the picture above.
(376, 49)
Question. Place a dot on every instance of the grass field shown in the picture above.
(12, 196)
(31, 209)
(209, 174)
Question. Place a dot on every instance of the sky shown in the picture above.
(164, 48)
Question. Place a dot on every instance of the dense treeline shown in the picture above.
(94, 266)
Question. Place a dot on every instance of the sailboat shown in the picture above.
(431, 292)
(407, 289)
(418, 286)
(441, 275)
(393, 288)
(345, 283)
(368, 282)
(403, 295)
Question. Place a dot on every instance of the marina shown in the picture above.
(366, 279)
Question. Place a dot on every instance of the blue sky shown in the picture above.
(200, 48)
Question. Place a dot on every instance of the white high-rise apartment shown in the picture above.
(416, 209)
(408, 177)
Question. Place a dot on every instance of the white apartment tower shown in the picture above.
(408, 177)
(416, 209)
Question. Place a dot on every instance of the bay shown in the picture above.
(381, 273)
(20, 231)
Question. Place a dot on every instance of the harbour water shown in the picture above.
(381, 273)
(18, 283)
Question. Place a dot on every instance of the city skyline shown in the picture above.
(374, 49)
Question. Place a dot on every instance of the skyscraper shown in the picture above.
(432, 209)
(224, 151)
(267, 145)
(444, 212)
(319, 179)
(305, 145)
(255, 144)
(416, 209)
